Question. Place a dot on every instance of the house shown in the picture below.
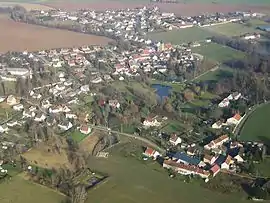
(182, 157)
(18, 107)
(84, 129)
(175, 140)
(151, 122)
(191, 151)
(185, 169)
(114, 104)
(2, 98)
(217, 142)
(235, 120)
(217, 125)
(209, 159)
(234, 96)
(12, 123)
(149, 152)
(224, 103)
(215, 169)
(40, 118)
(71, 116)
(28, 114)
(85, 88)
(11, 100)
(238, 159)
(227, 162)
(65, 126)
(3, 129)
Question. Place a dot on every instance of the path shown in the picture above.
(204, 73)
(146, 141)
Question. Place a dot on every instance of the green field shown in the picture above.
(134, 181)
(182, 35)
(218, 52)
(77, 136)
(216, 75)
(231, 29)
(256, 127)
(19, 190)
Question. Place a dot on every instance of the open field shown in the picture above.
(88, 144)
(134, 181)
(182, 35)
(232, 29)
(19, 190)
(256, 127)
(184, 8)
(217, 74)
(16, 36)
(218, 52)
(27, 6)
(43, 157)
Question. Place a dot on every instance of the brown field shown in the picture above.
(41, 157)
(89, 143)
(179, 8)
(16, 36)
(27, 6)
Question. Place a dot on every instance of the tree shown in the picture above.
(78, 194)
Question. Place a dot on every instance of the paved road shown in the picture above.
(146, 141)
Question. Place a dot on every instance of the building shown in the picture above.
(265, 28)
(149, 152)
(181, 157)
(151, 122)
(226, 164)
(84, 129)
(217, 125)
(235, 120)
(209, 159)
(217, 142)
(175, 140)
(215, 169)
(185, 169)
(11, 100)
(18, 107)
(224, 103)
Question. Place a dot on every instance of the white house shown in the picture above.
(175, 140)
(18, 107)
(217, 142)
(11, 100)
(224, 103)
(12, 123)
(71, 116)
(227, 162)
(235, 120)
(40, 118)
(29, 114)
(217, 125)
(3, 129)
(239, 159)
(151, 122)
(65, 126)
(149, 152)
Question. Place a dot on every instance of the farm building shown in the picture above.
(264, 28)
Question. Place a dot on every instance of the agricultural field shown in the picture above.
(134, 181)
(27, 6)
(217, 74)
(232, 29)
(256, 127)
(33, 38)
(19, 190)
(218, 52)
(182, 35)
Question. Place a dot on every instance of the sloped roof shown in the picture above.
(184, 157)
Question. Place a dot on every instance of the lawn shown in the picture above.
(19, 190)
(216, 75)
(231, 29)
(218, 52)
(263, 168)
(257, 127)
(173, 127)
(77, 136)
(135, 181)
(182, 35)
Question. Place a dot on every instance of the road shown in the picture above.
(144, 140)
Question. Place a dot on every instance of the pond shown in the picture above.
(162, 90)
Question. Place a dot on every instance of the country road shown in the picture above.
(146, 141)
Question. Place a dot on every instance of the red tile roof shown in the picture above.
(149, 151)
(215, 168)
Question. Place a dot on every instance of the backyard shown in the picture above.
(256, 127)
(182, 35)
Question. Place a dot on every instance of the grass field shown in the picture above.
(77, 136)
(257, 126)
(218, 52)
(182, 35)
(27, 6)
(19, 190)
(231, 29)
(134, 181)
(216, 75)
(33, 38)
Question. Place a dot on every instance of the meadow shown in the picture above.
(232, 29)
(135, 181)
(181, 36)
(221, 72)
(256, 127)
(19, 190)
(218, 52)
